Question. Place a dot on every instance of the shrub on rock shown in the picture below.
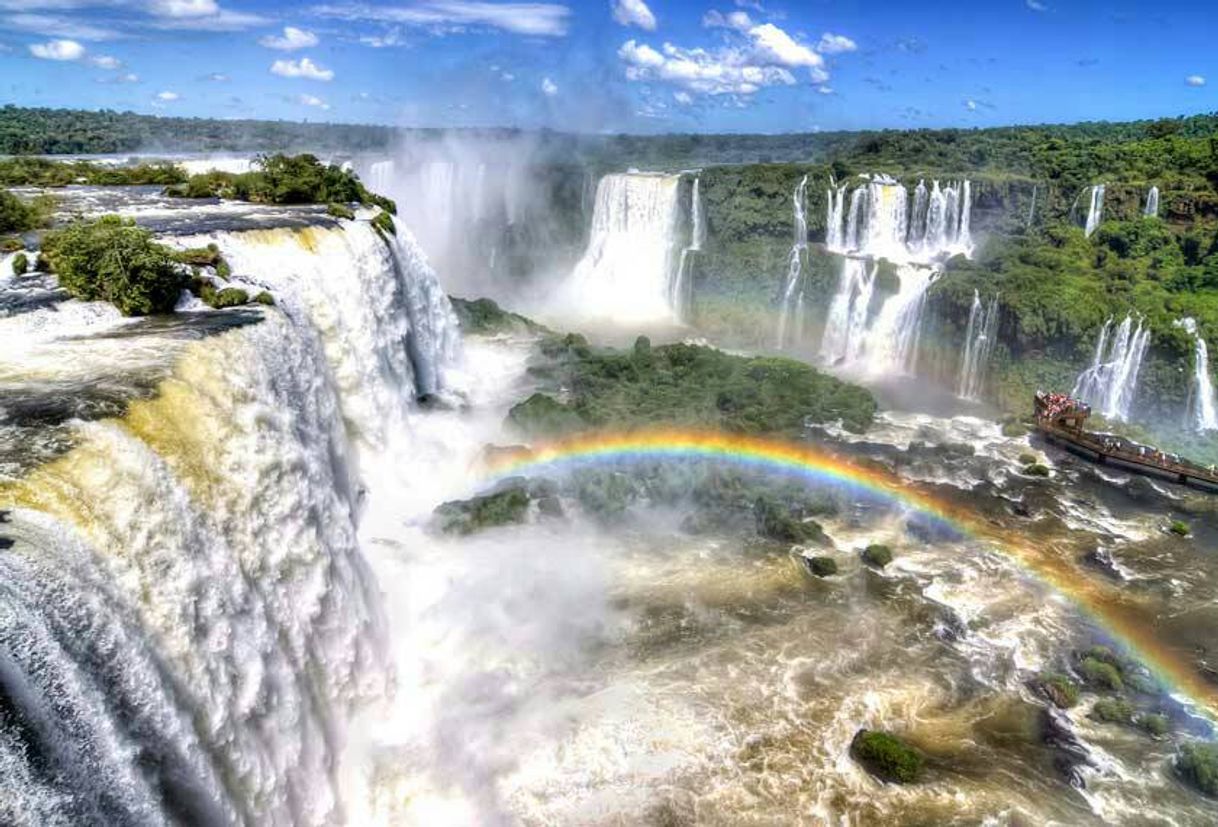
(886, 756)
(877, 555)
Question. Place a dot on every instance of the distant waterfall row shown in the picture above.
(791, 316)
(1110, 384)
(1095, 211)
(636, 268)
(1203, 406)
(914, 233)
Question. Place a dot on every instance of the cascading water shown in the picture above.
(913, 233)
(1095, 211)
(628, 269)
(681, 295)
(978, 344)
(790, 319)
(186, 620)
(1203, 408)
(1152, 203)
(1032, 206)
(1110, 384)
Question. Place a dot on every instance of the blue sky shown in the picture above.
(617, 65)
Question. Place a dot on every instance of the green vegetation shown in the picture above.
(1154, 724)
(822, 566)
(1027, 459)
(1013, 430)
(284, 179)
(1058, 689)
(691, 385)
(507, 505)
(42, 172)
(886, 756)
(1113, 711)
(18, 215)
(264, 298)
(877, 556)
(542, 415)
(383, 221)
(483, 317)
(1036, 469)
(1197, 763)
(1180, 529)
(340, 211)
(1101, 674)
(111, 259)
(786, 523)
(21, 264)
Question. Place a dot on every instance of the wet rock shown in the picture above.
(1057, 689)
(1102, 560)
(777, 521)
(1154, 724)
(1070, 755)
(1036, 469)
(507, 504)
(877, 556)
(1113, 711)
(1101, 674)
(886, 756)
(821, 566)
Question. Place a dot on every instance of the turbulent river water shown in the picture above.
(221, 601)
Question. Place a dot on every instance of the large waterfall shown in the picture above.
(1152, 203)
(1095, 210)
(1110, 384)
(791, 316)
(1203, 408)
(978, 344)
(186, 618)
(914, 233)
(628, 269)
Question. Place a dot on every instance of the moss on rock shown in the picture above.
(485, 317)
(821, 566)
(507, 506)
(21, 264)
(1113, 711)
(337, 210)
(886, 756)
(777, 521)
(1197, 764)
(877, 555)
(1101, 674)
(544, 415)
(1058, 689)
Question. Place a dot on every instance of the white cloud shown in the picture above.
(447, 16)
(58, 50)
(216, 77)
(1195, 80)
(719, 72)
(825, 90)
(184, 8)
(549, 87)
(634, 13)
(303, 68)
(835, 44)
(388, 40)
(310, 100)
(507, 77)
(682, 97)
(168, 97)
(782, 48)
(291, 40)
(56, 25)
(1036, 5)
(738, 20)
(106, 62)
(970, 105)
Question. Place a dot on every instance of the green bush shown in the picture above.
(1027, 459)
(285, 179)
(485, 317)
(1036, 469)
(775, 520)
(340, 211)
(1180, 529)
(544, 415)
(507, 506)
(1113, 711)
(1058, 689)
(886, 756)
(264, 298)
(822, 566)
(1155, 724)
(1013, 430)
(1101, 674)
(21, 264)
(18, 215)
(383, 221)
(877, 556)
(111, 259)
(1197, 763)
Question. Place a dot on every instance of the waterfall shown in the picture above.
(978, 344)
(681, 295)
(1203, 407)
(187, 622)
(1152, 203)
(791, 317)
(915, 233)
(1095, 212)
(1110, 383)
(835, 200)
(627, 270)
(1032, 206)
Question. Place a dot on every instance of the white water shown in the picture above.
(978, 344)
(627, 271)
(1152, 203)
(681, 295)
(916, 233)
(1203, 410)
(1095, 211)
(791, 316)
(1110, 384)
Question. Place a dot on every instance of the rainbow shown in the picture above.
(1127, 621)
